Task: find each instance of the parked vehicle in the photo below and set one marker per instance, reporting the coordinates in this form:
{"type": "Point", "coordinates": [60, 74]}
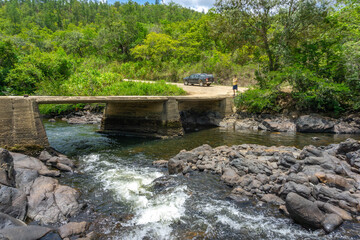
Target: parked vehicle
{"type": "Point", "coordinates": [203, 79]}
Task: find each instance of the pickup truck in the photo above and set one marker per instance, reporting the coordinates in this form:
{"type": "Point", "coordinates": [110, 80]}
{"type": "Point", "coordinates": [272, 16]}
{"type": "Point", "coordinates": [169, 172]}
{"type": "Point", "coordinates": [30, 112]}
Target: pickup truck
{"type": "Point", "coordinates": [202, 79]}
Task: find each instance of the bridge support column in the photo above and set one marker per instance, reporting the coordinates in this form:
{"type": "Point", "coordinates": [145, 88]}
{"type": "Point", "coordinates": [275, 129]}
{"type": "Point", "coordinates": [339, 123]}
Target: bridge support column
{"type": "Point", "coordinates": [149, 119]}
{"type": "Point", "coordinates": [20, 123]}
{"type": "Point", "coordinates": [226, 107]}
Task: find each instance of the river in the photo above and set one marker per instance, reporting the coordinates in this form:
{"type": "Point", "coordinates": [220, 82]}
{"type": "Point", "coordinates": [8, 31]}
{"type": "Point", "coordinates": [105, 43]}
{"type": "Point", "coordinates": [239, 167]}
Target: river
{"type": "Point", "coordinates": [127, 198]}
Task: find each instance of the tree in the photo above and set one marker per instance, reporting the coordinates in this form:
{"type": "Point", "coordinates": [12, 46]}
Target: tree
{"type": "Point", "coordinates": [262, 22]}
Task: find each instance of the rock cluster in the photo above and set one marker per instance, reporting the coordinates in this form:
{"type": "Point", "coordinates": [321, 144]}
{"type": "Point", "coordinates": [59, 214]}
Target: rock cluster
{"type": "Point", "coordinates": [317, 187]}
{"type": "Point", "coordinates": [28, 190]}
{"type": "Point", "coordinates": [306, 123]}
{"type": "Point", "coordinates": [83, 117]}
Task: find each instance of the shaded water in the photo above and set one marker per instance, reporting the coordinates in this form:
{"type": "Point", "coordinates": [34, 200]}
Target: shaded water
{"type": "Point", "coordinates": [118, 182]}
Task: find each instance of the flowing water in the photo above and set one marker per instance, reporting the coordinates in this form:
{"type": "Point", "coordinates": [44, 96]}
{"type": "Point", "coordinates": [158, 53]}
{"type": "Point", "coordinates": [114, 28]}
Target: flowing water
{"type": "Point", "coordinates": [128, 198]}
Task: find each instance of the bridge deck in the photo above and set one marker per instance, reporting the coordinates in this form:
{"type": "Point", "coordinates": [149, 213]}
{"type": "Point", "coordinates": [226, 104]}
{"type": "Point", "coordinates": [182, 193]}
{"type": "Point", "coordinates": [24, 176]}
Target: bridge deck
{"type": "Point", "coordinates": [112, 99]}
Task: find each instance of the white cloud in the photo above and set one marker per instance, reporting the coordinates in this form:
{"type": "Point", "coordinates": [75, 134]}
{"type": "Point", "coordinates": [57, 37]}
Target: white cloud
{"type": "Point", "coordinates": [198, 5]}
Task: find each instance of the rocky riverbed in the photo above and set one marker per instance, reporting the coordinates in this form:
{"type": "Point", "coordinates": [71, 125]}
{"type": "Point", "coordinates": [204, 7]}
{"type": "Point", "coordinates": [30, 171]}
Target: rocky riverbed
{"type": "Point", "coordinates": [312, 123]}
{"type": "Point", "coordinates": [318, 187]}
{"type": "Point", "coordinates": [31, 193]}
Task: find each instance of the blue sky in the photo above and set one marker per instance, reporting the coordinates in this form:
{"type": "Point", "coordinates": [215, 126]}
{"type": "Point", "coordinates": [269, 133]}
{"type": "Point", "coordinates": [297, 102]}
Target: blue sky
{"type": "Point", "coordinates": [198, 5]}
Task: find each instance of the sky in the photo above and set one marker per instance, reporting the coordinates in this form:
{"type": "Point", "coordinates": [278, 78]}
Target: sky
{"type": "Point", "coordinates": [197, 5]}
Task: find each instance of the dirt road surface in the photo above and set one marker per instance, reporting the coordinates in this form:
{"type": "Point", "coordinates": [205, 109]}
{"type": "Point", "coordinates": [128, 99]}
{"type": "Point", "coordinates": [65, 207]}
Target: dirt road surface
{"type": "Point", "coordinates": [212, 90]}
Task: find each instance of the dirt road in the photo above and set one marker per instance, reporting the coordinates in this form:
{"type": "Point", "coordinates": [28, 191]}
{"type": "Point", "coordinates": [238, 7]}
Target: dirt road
{"type": "Point", "coordinates": [213, 90]}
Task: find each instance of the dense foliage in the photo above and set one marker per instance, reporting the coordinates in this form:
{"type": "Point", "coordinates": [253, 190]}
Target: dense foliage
{"type": "Point", "coordinates": [310, 48]}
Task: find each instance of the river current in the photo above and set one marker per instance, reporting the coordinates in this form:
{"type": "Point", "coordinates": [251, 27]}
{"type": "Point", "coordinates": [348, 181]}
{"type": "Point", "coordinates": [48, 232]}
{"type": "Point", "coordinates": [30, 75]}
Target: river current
{"type": "Point", "coordinates": [127, 198]}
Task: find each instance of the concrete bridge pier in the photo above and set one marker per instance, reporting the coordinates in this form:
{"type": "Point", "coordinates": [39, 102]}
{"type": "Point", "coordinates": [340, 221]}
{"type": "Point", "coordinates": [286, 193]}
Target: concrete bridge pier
{"type": "Point", "coordinates": [20, 123]}
{"type": "Point", "coordinates": [156, 118]}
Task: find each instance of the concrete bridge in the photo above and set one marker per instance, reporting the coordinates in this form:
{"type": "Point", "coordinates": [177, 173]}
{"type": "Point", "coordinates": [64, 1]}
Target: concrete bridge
{"type": "Point", "coordinates": [151, 116]}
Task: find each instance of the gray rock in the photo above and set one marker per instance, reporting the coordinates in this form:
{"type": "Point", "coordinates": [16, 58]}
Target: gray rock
{"type": "Point", "coordinates": [7, 173]}
{"type": "Point", "coordinates": [72, 228]}
{"type": "Point", "coordinates": [13, 202]}
{"type": "Point", "coordinates": [295, 188]}
{"type": "Point", "coordinates": [314, 124]}
{"type": "Point", "coordinates": [25, 178]}
{"type": "Point", "coordinates": [175, 166]}
{"type": "Point", "coordinates": [273, 199]}
{"type": "Point", "coordinates": [22, 162]}
{"type": "Point", "coordinates": [160, 163]}
{"type": "Point", "coordinates": [44, 156]}
{"type": "Point", "coordinates": [50, 202]}
{"type": "Point", "coordinates": [230, 177]}
{"type": "Point", "coordinates": [279, 125]}
{"type": "Point", "coordinates": [304, 211]}
{"type": "Point", "coordinates": [8, 221]}
{"type": "Point", "coordinates": [24, 232]}
{"type": "Point", "coordinates": [329, 208]}
{"type": "Point", "coordinates": [331, 222]}
{"type": "Point", "coordinates": [346, 128]}
{"type": "Point", "coordinates": [63, 167]}
{"type": "Point", "coordinates": [350, 145]}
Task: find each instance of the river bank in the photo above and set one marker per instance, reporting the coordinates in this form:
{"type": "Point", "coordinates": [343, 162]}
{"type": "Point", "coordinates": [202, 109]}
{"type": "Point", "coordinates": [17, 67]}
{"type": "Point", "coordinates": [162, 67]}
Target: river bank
{"type": "Point", "coordinates": [295, 122]}
{"type": "Point", "coordinates": [34, 205]}
{"type": "Point", "coordinates": [318, 187]}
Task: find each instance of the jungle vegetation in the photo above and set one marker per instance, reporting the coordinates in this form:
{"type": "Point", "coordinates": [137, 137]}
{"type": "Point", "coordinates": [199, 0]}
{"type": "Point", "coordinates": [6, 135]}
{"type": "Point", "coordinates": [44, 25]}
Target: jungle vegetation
{"type": "Point", "coordinates": [301, 54]}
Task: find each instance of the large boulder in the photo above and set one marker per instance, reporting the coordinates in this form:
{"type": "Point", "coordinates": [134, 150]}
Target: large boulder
{"type": "Point", "coordinates": [314, 124]}
{"type": "Point", "coordinates": [9, 221]}
{"type": "Point", "coordinates": [304, 211]}
{"type": "Point", "coordinates": [50, 202]}
{"type": "Point", "coordinates": [279, 125]}
{"type": "Point", "coordinates": [24, 232]}
{"type": "Point", "coordinates": [13, 202]}
{"type": "Point", "coordinates": [331, 222]}
{"type": "Point", "coordinates": [7, 173]}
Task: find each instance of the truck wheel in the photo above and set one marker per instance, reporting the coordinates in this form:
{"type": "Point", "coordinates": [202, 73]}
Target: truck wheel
{"type": "Point", "coordinates": [208, 84]}
{"type": "Point", "coordinates": [186, 82]}
{"type": "Point", "coordinates": [201, 84]}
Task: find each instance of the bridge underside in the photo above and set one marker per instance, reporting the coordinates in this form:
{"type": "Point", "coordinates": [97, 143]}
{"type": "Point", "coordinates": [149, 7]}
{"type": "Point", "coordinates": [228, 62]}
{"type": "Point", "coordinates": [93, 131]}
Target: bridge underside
{"type": "Point", "coordinates": [159, 117]}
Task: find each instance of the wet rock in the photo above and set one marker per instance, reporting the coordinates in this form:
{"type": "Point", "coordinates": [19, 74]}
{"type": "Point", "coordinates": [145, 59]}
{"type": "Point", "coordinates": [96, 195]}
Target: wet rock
{"type": "Point", "coordinates": [273, 199]}
{"type": "Point", "coordinates": [331, 222]}
{"type": "Point", "coordinates": [279, 125]}
{"type": "Point", "coordinates": [346, 128]}
{"type": "Point", "coordinates": [51, 236]}
{"type": "Point", "coordinates": [9, 221]}
{"type": "Point", "coordinates": [7, 173]}
{"type": "Point", "coordinates": [24, 162]}
{"type": "Point", "coordinates": [230, 177]}
{"type": "Point", "coordinates": [283, 210]}
{"type": "Point", "coordinates": [25, 178]}
{"type": "Point", "coordinates": [160, 163]}
{"type": "Point", "coordinates": [175, 166]}
{"type": "Point", "coordinates": [13, 202]}
{"type": "Point", "coordinates": [89, 236]}
{"type": "Point", "coordinates": [44, 156]}
{"type": "Point", "coordinates": [72, 228]}
{"type": "Point", "coordinates": [350, 145]}
{"type": "Point", "coordinates": [295, 188]}
{"type": "Point", "coordinates": [333, 180]}
{"type": "Point", "coordinates": [63, 167]}
{"type": "Point", "coordinates": [239, 198]}
{"type": "Point", "coordinates": [329, 208]}
{"type": "Point", "coordinates": [304, 211]}
{"type": "Point", "coordinates": [314, 124]}
{"type": "Point", "coordinates": [353, 158]}
{"type": "Point", "coordinates": [24, 232]}
{"type": "Point", "coordinates": [50, 202]}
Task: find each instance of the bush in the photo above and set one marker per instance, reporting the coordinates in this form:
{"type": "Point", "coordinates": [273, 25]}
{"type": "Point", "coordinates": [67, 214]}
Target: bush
{"type": "Point", "coordinates": [258, 100]}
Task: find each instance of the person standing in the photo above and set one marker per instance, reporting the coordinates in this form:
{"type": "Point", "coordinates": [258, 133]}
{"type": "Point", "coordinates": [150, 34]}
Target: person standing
{"type": "Point", "coordinates": [235, 84]}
